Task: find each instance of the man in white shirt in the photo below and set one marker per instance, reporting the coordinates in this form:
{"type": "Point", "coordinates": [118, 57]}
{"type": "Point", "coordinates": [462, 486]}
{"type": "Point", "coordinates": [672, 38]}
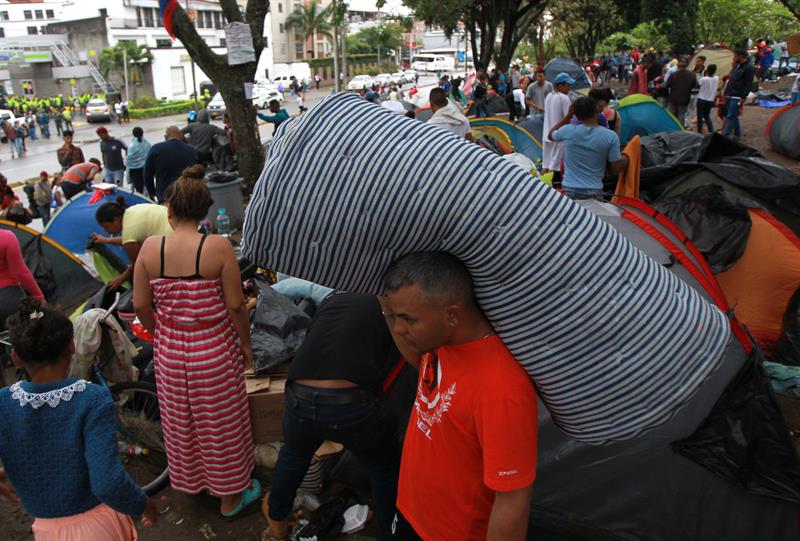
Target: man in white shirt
{"type": "Point", "coordinates": [447, 115]}
{"type": "Point", "coordinates": [556, 106]}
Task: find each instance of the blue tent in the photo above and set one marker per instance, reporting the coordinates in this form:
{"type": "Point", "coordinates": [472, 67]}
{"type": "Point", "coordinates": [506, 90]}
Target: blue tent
{"type": "Point", "coordinates": [523, 141]}
{"type": "Point", "coordinates": [74, 223]}
{"type": "Point", "coordinates": [642, 115]}
{"type": "Point", "coordinates": [567, 65]}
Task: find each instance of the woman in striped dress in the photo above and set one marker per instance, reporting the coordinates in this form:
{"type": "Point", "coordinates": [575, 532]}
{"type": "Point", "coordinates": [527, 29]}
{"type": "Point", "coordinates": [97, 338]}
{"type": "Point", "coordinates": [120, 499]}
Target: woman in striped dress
{"type": "Point", "coordinates": [187, 292]}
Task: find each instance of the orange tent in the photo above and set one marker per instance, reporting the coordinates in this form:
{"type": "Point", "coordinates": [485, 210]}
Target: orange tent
{"type": "Point", "coordinates": [760, 285]}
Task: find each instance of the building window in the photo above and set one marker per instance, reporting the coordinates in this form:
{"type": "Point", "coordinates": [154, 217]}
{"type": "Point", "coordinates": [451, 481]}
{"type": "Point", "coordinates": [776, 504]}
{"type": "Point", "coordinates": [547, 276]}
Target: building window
{"type": "Point", "coordinates": [178, 76]}
{"type": "Point", "coordinates": [4, 15]}
{"type": "Point", "coordinates": [222, 42]}
{"type": "Point", "coordinates": [28, 14]}
{"type": "Point", "coordinates": [218, 23]}
{"type": "Point", "coordinates": [39, 14]}
{"type": "Point", "coordinates": [280, 8]}
{"type": "Point", "coordinates": [43, 30]}
{"type": "Point", "coordinates": [50, 14]}
{"type": "Point", "coordinates": [299, 48]}
{"type": "Point", "coordinates": [147, 17]}
{"type": "Point", "coordinates": [209, 19]}
{"type": "Point", "coordinates": [2, 32]}
{"type": "Point", "coordinates": [163, 43]}
{"type": "Point", "coordinates": [32, 31]}
{"type": "Point", "coordinates": [280, 28]}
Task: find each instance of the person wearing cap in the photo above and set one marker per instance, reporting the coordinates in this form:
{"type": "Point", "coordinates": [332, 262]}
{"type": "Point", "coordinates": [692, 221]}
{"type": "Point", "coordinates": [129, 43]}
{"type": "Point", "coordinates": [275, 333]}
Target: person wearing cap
{"type": "Point", "coordinates": [113, 162]}
{"type": "Point", "coordinates": [69, 155]}
{"type": "Point", "coordinates": [589, 147]}
{"type": "Point", "coordinates": [556, 106]}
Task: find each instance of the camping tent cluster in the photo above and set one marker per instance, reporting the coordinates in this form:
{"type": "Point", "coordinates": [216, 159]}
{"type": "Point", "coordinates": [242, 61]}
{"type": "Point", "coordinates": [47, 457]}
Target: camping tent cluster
{"type": "Point", "coordinates": [655, 401]}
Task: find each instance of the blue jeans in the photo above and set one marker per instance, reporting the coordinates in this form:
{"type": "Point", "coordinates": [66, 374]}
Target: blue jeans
{"type": "Point", "coordinates": [584, 193]}
{"type": "Point", "coordinates": [44, 213]}
{"type": "Point", "coordinates": [20, 142]}
{"type": "Point", "coordinates": [366, 429]}
{"type": "Point", "coordinates": [704, 108]}
{"type": "Point", "coordinates": [732, 115]}
{"type": "Point", "coordinates": [45, 130]}
{"type": "Point", "coordinates": [115, 176]}
{"type": "Point", "coordinates": [32, 133]}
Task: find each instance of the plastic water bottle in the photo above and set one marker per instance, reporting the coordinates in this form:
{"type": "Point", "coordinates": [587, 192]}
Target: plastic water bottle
{"type": "Point", "coordinates": [223, 223]}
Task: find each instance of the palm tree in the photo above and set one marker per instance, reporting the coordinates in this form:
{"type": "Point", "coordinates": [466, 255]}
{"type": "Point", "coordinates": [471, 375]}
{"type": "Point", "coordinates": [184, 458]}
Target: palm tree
{"type": "Point", "coordinates": [310, 21]}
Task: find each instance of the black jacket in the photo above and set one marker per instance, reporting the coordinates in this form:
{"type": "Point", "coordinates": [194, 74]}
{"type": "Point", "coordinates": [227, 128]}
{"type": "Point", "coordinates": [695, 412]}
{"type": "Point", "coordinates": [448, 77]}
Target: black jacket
{"type": "Point", "coordinates": [741, 82]}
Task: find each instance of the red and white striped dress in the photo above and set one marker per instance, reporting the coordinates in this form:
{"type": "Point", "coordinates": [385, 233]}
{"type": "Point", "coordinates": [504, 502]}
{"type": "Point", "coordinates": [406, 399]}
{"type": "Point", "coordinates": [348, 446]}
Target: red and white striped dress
{"type": "Point", "coordinates": [201, 389]}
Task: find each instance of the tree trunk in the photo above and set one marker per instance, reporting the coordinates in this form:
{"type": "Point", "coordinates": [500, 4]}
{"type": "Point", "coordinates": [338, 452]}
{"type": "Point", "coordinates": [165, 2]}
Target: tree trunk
{"type": "Point", "coordinates": [336, 58]}
{"type": "Point", "coordinates": [343, 49]}
{"type": "Point", "coordinates": [314, 44]}
{"type": "Point", "coordinates": [230, 80]}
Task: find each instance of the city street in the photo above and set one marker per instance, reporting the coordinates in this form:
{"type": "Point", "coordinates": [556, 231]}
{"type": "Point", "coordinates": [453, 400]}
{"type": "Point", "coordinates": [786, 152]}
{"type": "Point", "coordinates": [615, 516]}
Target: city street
{"type": "Point", "coordinates": [41, 155]}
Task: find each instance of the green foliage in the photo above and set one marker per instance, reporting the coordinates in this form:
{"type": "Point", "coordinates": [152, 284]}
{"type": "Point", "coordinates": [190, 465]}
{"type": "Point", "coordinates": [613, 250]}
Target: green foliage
{"type": "Point", "coordinates": [582, 24]}
{"type": "Point", "coordinates": [144, 102]}
{"type": "Point", "coordinates": [112, 59]}
{"type": "Point", "coordinates": [351, 58]}
{"type": "Point", "coordinates": [793, 6]}
{"type": "Point", "coordinates": [388, 36]}
{"type": "Point", "coordinates": [643, 35]}
{"type": "Point", "coordinates": [310, 20]}
{"type": "Point", "coordinates": [674, 19]}
{"type": "Point", "coordinates": [733, 21]}
{"type": "Point", "coordinates": [167, 109]}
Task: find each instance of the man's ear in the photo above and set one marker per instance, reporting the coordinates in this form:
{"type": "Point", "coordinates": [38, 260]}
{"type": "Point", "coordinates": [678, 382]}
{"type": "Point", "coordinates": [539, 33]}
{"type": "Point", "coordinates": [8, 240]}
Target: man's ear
{"type": "Point", "coordinates": [453, 314]}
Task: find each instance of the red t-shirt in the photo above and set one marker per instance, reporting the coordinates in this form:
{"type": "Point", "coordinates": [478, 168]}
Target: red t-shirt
{"type": "Point", "coordinates": [473, 432]}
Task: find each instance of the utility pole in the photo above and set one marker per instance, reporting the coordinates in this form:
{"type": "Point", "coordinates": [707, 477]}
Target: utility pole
{"type": "Point", "coordinates": [191, 60]}
{"type": "Point", "coordinates": [125, 66]}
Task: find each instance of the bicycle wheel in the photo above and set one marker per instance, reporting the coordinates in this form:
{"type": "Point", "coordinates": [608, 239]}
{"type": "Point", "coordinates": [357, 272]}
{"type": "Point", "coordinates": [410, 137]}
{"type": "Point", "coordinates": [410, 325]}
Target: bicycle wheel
{"type": "Point", "coordinates": [139, 436]}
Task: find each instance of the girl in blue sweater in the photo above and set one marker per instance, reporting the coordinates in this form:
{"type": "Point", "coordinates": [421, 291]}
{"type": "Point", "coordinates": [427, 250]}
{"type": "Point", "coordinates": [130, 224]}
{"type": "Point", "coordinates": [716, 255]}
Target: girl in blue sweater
{"type": "Point", "coordinates": [57, 439]}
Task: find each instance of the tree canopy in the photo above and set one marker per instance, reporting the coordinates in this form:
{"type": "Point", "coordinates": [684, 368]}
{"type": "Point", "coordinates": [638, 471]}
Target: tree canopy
{"type": "Point", "coordinates": [311, 20]}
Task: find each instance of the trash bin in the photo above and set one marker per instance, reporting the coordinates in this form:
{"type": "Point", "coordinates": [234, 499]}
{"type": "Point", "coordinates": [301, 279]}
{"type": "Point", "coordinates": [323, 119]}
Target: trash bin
{"type": "Point", "coordinates": [227, 195]}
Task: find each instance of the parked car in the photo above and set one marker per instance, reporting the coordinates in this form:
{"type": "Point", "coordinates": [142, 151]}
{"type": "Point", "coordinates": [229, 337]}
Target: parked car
{"type": "Point", "coordinates": [265, 93]}
{"type": "Point", "coordinates": [382, 79]}
{"type": "Point", "coordinates": [360, 81]}
{"type": "Point", "coordinates": [6, 115]}
{"type": "Point", "coordinates": [98, 109]}
{"type": "Point", "coordinates": [397, 78]}
{"type": "Point", "coordinates": [411, 76]}
{"type": "Point", "coordinates": [216, 107]}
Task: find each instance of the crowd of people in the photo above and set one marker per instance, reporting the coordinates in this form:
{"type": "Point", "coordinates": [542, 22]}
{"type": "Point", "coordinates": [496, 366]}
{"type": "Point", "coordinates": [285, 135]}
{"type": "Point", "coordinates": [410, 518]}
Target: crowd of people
{"type": "Point", "coordinates": [459, 473]}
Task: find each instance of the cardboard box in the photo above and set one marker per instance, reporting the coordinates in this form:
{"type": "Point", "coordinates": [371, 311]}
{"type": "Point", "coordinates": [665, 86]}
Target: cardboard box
{"type": "Point", "coordinates": [265, 396]}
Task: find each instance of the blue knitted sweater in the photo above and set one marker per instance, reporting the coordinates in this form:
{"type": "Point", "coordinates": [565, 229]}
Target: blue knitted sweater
{"type": "Point", "coordinates": [59, 449]}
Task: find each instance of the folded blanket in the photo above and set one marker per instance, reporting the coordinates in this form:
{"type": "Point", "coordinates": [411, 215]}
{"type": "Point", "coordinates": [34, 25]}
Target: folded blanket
{"type": "Point", "coordinates": [614, 342]}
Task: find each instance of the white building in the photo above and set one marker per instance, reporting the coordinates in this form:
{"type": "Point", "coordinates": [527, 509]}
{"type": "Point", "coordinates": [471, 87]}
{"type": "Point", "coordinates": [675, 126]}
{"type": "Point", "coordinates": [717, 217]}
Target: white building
{"type": "Point", "coordinates": [90, 26]}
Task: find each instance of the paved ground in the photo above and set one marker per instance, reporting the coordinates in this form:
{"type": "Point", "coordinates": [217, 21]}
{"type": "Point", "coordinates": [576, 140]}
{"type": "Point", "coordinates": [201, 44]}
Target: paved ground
{"type": "Point", "coordinates": [196, 517]}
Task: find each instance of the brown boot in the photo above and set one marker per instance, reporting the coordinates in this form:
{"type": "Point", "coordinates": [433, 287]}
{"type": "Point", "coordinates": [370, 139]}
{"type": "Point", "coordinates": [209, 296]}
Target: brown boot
{"type": "Point", "coordinates": [278, 529]}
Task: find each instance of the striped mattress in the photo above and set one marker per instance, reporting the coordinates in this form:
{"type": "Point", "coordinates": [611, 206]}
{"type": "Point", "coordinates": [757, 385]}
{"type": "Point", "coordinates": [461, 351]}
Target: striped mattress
{"type": "Point", "coordinates": [614, 342]}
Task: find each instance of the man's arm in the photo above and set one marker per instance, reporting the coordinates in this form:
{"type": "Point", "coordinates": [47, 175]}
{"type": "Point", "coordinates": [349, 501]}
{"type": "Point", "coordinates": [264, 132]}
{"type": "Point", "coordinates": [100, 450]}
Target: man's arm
{"type": "Point", "coordinates": [509, 518]}
{"type": "Point", "coordinates": [620, 165]}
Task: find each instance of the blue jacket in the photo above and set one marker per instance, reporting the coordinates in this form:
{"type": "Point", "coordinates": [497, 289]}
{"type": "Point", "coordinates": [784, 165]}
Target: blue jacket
{"type": "Point", "coordinates": [62, 457]}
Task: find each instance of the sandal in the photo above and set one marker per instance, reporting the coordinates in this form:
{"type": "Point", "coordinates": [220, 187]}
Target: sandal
{"type": "Point", "coordinates": [249, 496]}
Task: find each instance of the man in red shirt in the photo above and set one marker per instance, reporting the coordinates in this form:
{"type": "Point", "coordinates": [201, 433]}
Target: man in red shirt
{"type": "Point", "coordinates": [639, 80]}
{"type": "Point", "coordinates": [469, 456]}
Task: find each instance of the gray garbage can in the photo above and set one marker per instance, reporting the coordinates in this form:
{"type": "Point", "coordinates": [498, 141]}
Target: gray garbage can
{"type": "Point", "coordinates": [227, 195]}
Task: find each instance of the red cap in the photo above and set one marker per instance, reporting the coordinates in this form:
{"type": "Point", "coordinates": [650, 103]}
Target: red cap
{"type": "Point", "coordinates": [101, 130]}
{"type": "Point", "coordinates": [44, 174]}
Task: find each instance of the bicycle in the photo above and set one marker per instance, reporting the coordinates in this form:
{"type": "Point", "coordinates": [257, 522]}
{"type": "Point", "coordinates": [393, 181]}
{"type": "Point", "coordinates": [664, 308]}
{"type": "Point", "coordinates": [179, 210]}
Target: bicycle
{"type": "Point", "coordinates": [139, 436]}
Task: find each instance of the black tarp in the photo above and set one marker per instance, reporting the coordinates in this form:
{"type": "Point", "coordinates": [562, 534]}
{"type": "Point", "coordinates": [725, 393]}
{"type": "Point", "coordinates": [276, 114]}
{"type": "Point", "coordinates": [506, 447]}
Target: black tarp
{"type": "Point", "coordinates": [495, 106]}
{"type": "Point", "coordinates": [278, 329]}
{"type": "Point", "coordinates": [714, 221]}
{"type": "Point", "coordinates": [675, 162]}
{"type": "Point", "coordinates": [787, 350]}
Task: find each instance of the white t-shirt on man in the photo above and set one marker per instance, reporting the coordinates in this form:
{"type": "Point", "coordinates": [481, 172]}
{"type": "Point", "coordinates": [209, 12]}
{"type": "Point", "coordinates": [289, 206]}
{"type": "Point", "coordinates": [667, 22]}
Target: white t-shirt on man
{"type": "Point", "coordinates": [556, 106]}
{"type": "Point", "coordinates": [708, 88]}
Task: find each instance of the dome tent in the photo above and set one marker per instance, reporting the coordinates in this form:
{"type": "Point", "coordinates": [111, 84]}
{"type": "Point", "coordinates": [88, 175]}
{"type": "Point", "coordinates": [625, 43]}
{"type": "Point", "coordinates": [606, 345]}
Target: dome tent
{"type": "Point", "coordinates": [62, 277]}
{"type": "Point", "coordinates": [74, 223]}
{"type": "Point", "coordinates": [783, 131]}
{"type": "Point", "coordinates": [563, 64]}
{"type": "Point", "coordinates": [642, 115]}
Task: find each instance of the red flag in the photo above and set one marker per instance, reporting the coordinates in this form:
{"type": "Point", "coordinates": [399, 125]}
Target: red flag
{"type": "Point", "coordinates": [167, 8]}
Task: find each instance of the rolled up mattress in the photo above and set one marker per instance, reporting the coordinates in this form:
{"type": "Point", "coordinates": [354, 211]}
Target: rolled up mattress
{"type": "Point", "coordinates": [614, 342]}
